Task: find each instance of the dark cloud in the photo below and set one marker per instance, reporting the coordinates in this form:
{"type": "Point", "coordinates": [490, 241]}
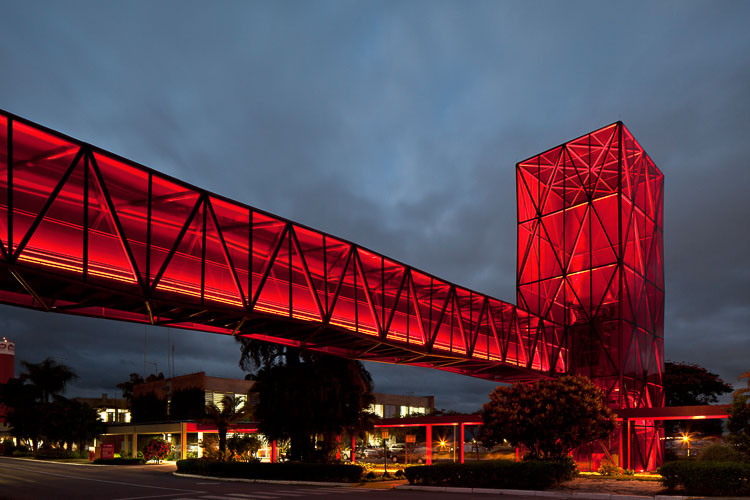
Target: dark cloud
{"type": "Point", "coordinates": [397, 125]}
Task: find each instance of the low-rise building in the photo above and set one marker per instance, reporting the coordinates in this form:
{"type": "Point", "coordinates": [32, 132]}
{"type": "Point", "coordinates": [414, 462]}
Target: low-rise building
{"type": "Point", "coordinates": [214, 388]}
{"type": "Point", "coordinates": [110, 410]}
{"type": "Point", "coordinates": [399, 405]}
{"type": "Point", "coordinates": [186, 436]}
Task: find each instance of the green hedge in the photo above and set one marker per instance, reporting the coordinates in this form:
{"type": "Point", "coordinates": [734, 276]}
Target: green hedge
{"type": "Point", "coordinates": [707, 478]}
{"type": "Point", "coordinates": [529, 475]}
{"type": "Point", "coordinates": [53, 453]}
{"type": "Point", "coordinates": [283, 471]}
{"type": "Point", "coordinates": [119, 461]}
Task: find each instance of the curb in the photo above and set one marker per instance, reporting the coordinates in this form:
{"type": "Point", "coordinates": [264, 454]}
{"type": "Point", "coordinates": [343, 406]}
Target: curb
{"type": "Point", "coordinates": [267, 481]}
{"type": "Point", "coordinates": [56, 462]}
{"type": "Point", "coordinates": [534, 493]}
{"type": "Point", "coordinates": [35, 460]}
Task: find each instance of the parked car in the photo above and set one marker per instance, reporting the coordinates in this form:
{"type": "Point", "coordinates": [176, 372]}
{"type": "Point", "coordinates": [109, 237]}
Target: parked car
{"type": "Point", "coordinates": [418, 454]}
{"type": "Point", "coordinates": [370, 452]}
{"type": "Point", "coordinates": [397, 448]}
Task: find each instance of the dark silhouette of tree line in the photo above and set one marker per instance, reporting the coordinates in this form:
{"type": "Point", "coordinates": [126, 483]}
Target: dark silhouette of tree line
{"type": "Point", "coordinates": [37, 412]}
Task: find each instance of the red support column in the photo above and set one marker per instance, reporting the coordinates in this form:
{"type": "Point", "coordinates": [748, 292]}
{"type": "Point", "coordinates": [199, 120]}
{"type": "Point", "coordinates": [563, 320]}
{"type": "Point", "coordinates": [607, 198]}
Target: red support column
{"type": "Point", "coordinates": [354, 449]}
{"type": "Point", "coordinates": [274, 451]}
{"type": "Point", "coordinates": [622, 445]}
{"type": "Point", "coordinates": [627, 429]}
{"type": "Point", "coordinates": [461, 442]}
{"type": "Point", "coordinates": [428, 444]}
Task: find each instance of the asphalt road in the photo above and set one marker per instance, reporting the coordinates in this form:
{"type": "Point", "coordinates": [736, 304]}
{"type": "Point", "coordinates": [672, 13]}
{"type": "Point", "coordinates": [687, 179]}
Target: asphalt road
{"type": "Point", "coordinates": [30, 480]}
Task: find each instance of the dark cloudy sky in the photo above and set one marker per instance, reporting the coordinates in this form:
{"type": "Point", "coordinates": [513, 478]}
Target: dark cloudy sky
{"type": "Point", "coordinates": [398, 125]}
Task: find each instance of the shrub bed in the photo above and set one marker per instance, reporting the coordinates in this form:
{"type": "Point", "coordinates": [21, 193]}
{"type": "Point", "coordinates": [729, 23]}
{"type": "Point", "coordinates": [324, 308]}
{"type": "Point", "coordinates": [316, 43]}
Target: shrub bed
{"type": "Point", "coordinates": [53, 453]}
{"type": "Point", "coordinates": [119, 461]}
{"type": "Point", "coordinates": [285, 471]}
{"type": "Point", "coordinates": [707, 478]}
{"type": "Point", "coordinates": [529, 475]}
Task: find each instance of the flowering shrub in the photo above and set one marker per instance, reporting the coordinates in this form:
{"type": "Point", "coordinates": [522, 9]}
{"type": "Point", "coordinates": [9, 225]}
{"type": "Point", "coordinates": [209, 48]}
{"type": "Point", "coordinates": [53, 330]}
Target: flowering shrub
{"type": "Point", "coordinates": [609, 469]}
{"type": "Point", "coordinates": [157, 449]}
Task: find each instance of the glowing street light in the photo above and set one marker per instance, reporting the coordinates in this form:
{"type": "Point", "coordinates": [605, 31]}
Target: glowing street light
{"type": "Point", "coordinates": [686, 439]}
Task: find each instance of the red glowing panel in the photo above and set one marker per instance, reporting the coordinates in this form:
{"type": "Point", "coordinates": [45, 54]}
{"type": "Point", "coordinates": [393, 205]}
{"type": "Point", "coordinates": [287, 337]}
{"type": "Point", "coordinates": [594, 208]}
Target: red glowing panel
{"type": "Point", "coordinates": [591, 263]}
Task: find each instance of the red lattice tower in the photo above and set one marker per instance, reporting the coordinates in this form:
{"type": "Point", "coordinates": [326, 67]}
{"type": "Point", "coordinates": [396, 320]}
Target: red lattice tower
{"type": "Point", "coordinates": [590, 260]}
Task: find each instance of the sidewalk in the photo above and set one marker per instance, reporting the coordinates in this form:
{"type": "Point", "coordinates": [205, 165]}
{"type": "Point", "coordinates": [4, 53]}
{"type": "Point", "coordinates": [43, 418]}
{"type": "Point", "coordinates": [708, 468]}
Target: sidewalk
{"type": "Point", "coordinates": [575, 495]}
{"type": "Point", "coordinates": [568, 492]}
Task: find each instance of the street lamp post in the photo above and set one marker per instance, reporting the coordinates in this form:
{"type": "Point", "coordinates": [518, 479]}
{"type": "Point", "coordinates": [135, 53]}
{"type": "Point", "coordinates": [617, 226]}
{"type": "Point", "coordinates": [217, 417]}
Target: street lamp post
{"type": "Point", "coordinates": [686, 439]}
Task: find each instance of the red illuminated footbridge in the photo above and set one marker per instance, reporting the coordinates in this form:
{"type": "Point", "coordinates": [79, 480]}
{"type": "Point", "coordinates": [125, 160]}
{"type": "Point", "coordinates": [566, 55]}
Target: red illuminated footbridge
{"type": "Point", "coordinates": [87, 232]}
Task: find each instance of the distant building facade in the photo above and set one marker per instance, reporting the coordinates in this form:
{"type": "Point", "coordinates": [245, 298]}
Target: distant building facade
{"type": "Point", "coordinates": [185, 436]}
{"type": "Point", "coordinates": [110, 410]}
{"type": "Point", "coordinates": [397, 405]}
{"type": "Point", "coordinates": [214, 388]}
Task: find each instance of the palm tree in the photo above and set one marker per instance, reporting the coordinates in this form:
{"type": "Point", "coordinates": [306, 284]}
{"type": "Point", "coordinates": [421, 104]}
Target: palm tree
{"type": "Point", "coordinates": [48, 377]}
{"type": "Point", "coordinates": [229, 411]}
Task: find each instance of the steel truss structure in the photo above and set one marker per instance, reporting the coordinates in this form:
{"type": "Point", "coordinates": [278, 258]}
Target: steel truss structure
{"type": "Point", "coordinates": [590, 261]}
{"type": "Point", "coordinates": [84, 231]}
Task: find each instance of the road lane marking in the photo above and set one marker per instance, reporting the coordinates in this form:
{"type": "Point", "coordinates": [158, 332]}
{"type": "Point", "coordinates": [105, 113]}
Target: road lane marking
{"type": "Point", "coordinates": [324, 491]}
{"type": "Point", "coordinates": [312, 492]}
{"type": "Point", "coordinates": [107, 481]}
{"type": "Point", "coordinates": [156, 496]}
{"type": "Point", "coordinates": [234, 496]}
{"type": "Point", "coordinates": [215, 497]}
{"type": "Point", "coordinates": [250, 495]}
{"type": "Point", "coordinates": [286, 493]}
{"type": "Point", "coordinates": [20, 479]}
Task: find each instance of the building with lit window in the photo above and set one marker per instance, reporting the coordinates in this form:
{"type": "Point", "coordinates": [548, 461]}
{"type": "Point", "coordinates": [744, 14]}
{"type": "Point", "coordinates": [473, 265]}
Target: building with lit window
{"type": "Point", "coordinates": [214, 388]}
{"type": "Point", "coordinates": [397, 405]}
{"type": "Point", "coordinates": [186, 435]}
{"type": "Point", "coordinates": [110, 410]}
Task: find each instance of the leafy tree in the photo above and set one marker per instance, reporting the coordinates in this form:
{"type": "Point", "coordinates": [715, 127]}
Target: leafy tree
{"type": "Point", "coordinates": [127, 386]}
{"type": "Point", "coordinates": [688, 384]}
{"type": "Point", "coordinates": [230, 410]}
{"type": "Point", "coordinates": [48, 377]}
{"type": "Point", "coordinates": [302, 394]}
{"type": "Point", "coordinates": [739, 418]}
{"type": "Point", "coordinates": [550, 417]}
{"type": "Point", "coordinates": [244, 445]}
{"type": "Point", "coordinates": [148, 408]}
{"type": "Point", "coordinates": [187, 404]}
{"type": "Point", "coordinates": [210, 448]}
{"type": "Point", "coordinates": [311, 394]}
{"type": "Point", "coordinates": [256, 354]}
{"type": "Point", "coordinates": [744, 390]}
{"type": "Point", "coordinates": [23, 415]}
{"type": "Point", "coordinates": [82, 423]}
{"type": "Point", "coordinates": [37, 412]}
{"type": "Point", "coordinates": [135, 379]}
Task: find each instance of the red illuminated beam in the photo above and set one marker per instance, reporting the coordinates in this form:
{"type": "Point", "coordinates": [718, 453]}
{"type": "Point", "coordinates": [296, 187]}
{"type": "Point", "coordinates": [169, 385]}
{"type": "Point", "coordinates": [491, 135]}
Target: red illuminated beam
{"type": "Point", "coordinates": [84, 231]}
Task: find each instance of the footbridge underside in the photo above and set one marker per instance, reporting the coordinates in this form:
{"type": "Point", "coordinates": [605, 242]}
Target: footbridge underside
{"type": "Point", "coordinates": [83, 231]}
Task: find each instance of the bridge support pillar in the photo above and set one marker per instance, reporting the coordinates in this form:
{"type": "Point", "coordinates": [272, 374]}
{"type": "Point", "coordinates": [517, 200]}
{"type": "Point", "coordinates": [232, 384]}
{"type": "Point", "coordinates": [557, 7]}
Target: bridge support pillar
{"type": "Point", "coordinates": [183, 440]}
{"type": "Point", "coordinates": [461, 442]}
{"type": "Point", "coordinates": [428, 445]}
